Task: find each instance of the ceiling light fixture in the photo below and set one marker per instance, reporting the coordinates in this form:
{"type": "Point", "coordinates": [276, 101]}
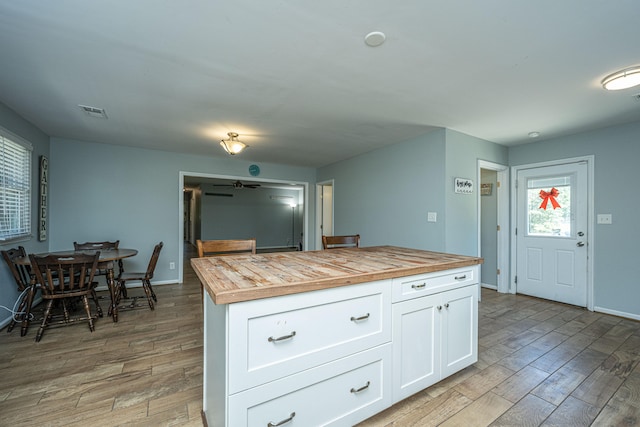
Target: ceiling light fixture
{"type": "Point", "coordinates": [233, 145]}
{"type": "Point", "coordinates": [623, 79]}
{"type": "Point", "coordinates": [534, 134]}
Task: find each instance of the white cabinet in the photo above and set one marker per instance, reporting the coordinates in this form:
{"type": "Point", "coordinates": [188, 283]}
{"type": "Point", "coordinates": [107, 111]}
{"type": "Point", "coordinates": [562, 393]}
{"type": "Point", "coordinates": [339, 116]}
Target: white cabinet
{"type": "Point", "coordinates": [434, 335]}
{"type": "Point", "coordinates": [336, 356]}
{"type": "Point", "coordinates": [316, 358]}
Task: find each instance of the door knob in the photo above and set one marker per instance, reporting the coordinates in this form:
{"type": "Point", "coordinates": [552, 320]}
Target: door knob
{"type": "Point", "coordinates": [580, 233]}
{"type": "Point", "coordinates": [580, 244]}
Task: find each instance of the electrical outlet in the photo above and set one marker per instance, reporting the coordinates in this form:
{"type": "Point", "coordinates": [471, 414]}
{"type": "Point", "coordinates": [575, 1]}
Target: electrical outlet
{"type": "Point", "coordinates": [172, 266]}
{"type": "Point", "coordinates": [432, 216]}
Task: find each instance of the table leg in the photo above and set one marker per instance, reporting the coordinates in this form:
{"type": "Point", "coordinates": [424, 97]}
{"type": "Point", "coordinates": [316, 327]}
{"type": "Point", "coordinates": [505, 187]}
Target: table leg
{"type": "Point", "coordinates": [113, 290]}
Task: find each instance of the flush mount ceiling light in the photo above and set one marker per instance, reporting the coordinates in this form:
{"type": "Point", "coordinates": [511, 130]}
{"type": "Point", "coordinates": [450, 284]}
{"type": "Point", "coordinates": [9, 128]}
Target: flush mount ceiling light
{"type": "Point", "coordinates": [233, 145]}
{"type": "Point", "coordinates": [623, 79]}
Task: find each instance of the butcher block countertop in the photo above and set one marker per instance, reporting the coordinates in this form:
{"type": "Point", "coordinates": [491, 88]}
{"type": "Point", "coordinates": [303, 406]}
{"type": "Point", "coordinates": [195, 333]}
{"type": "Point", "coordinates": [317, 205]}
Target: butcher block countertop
{"type": "Point", "coordinates": [229, 279]}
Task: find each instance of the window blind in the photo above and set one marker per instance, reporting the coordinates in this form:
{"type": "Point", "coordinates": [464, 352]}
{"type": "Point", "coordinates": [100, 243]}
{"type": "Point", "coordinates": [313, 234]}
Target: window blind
{"type": "Point", "coordinates": [15, 188]}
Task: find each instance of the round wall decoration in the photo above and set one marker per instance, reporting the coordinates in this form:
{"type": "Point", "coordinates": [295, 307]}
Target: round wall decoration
{"type": "Point", "coordinates": [254, 170]}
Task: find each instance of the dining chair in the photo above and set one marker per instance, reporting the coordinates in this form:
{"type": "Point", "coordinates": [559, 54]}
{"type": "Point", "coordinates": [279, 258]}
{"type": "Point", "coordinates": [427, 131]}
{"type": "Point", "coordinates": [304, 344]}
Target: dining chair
{"type": "Point", "coordinates": [145, 277]}
{"type": "Point", "coordinates": [99, 246]}
{"type": "Point", "coordinates": [334, 242]}
{"type": "Point", "coordinates": [225, 247]}
{"type": "Point", "coordinates": [65, 278]}
{"type": "Point", "coordinates": [208, 248]}
{"type": "Point", "coordinates": [26, 286]}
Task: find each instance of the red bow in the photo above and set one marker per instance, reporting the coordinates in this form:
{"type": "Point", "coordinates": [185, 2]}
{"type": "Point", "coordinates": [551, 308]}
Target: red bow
{"type": "Point", "coordinates": [550, 196]}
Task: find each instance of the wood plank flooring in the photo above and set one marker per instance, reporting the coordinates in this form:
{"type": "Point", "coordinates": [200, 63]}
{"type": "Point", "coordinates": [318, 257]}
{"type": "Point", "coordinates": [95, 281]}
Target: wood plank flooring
{"type": "Point", "coordinates": [540, 364]}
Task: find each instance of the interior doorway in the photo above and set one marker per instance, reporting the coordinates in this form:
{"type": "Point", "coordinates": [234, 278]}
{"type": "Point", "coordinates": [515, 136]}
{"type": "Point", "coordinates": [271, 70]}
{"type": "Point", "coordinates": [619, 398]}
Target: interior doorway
{"type": "Point", "coordinates": [493, 232]}
{"type": "Point", "coordinates": [324, 211]}
{"type": "Point", "coordinates": [296, 231]}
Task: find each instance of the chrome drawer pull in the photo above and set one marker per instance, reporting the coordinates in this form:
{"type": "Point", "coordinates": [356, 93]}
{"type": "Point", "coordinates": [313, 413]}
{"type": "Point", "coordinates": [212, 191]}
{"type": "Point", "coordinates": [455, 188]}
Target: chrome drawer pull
{"type": "Point", "coordinates": [293, 414]}
{"type": "Point", "coordinates": [420, 286]}
{"type": "Point", "coordinates": [357, 319]}
{"type": "Point", "coordinates": [464, 276]}
{"type": "Point", "coordinates": [282, 338]}
{"type": "Point", "coordinates": [363, 388]}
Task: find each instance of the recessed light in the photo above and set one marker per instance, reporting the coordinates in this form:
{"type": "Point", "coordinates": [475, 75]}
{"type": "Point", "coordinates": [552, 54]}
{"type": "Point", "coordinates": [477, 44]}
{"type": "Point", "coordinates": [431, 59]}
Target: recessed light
{"type": "Point", "coordinates": [375, 38]}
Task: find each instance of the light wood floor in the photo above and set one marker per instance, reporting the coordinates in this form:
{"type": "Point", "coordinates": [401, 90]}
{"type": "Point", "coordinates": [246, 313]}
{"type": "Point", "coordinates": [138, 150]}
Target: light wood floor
{"type": "Point", "coordinates": [541, 363]}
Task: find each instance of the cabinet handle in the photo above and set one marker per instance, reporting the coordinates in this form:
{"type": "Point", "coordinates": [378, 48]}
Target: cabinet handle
{"type": "Point", "coordinates": [293, 414]}
{"type": "Point", "coordinates": [282, 338]}
{"type": "Point", "coordinates": [363, 388]}
{"type": "Point", "coordinates": [446, 305]}
{"type": "Point", "coordinates": [357, 319]}
{"type": "Point", "coordinates": [439, 307]}
{"type": "Point", "coordinates": [464, 276]}
{"type": "Point", "coordinates": [420, 286]}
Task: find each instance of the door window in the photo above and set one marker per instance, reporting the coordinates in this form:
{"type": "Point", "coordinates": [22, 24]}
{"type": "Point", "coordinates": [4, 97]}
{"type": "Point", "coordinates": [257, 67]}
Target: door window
{"type": "Point", "coordinates": [557, 219]}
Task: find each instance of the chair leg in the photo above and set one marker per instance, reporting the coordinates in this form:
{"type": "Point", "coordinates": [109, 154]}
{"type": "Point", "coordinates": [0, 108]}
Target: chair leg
{"type": "Point", "coordinates": [27, 310]}
{"type": "Point", "coordinates": [95, 300]}
{"type": "Point", "coordinates": [85, 301]}
{"type": "Point", "coordinates": [45, 320]}
{"type": "Point", "coordinates": [146, 285]}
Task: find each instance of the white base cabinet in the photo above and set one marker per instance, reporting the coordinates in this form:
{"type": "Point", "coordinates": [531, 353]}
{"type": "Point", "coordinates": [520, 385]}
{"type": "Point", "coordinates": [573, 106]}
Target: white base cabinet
{"type": "Point", "coordinates": [336, 356]}
{"type": "Point", "coordinates": [433, 337]}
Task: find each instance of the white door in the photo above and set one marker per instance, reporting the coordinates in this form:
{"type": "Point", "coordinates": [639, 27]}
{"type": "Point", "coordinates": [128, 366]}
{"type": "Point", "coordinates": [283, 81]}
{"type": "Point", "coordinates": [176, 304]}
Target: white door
{"type": "Point", "coordinates": [551, 233]}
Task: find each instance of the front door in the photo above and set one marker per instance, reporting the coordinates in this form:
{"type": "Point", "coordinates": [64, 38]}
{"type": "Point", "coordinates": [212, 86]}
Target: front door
{"type": "Point", "coordinates": [551, 233]}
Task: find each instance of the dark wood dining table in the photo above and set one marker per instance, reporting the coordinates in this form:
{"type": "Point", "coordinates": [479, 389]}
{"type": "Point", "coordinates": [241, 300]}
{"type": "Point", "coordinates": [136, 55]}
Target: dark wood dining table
{"type": "Point", "coordinates": [106, 261]}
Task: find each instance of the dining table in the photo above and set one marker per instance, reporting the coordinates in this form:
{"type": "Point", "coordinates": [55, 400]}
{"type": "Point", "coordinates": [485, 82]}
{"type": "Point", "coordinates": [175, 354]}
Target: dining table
{"type": "Point", "coordinates": [106, 261]}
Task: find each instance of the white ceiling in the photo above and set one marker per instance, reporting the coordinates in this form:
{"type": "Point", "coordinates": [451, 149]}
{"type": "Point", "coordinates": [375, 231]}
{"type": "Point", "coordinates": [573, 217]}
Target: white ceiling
{"type": "Point", "coordinates": [295, 79]}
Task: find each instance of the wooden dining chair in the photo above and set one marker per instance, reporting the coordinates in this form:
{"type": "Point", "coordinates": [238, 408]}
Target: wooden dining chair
{"type": "Point", "coordinates": [334, 242]}
{"type": "Point", "coordinates": [26, 286]}
{"type": "Point", "coordinates": [99, 246]}
{"type": "Point", "coordinates": [65, 278]}
{"type": "Point", "coordinates": [225, 247]}
{"type": "Point", "coordinates": [145, 277]}
{"type": "Point", "coordinates": [208, 248]}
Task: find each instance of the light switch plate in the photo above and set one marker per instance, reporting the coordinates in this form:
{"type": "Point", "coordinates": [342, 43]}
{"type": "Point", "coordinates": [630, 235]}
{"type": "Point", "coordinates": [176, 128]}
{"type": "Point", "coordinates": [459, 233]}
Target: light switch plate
{"type": "Point", "coordinates": [432, 216]}
{"type": "Point", "coordinates": [604, 219]}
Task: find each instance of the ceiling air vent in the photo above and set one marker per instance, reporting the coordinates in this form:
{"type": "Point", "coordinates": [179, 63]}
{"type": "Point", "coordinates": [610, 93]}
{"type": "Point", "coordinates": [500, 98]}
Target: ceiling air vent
{"type": "Point", "coordinates": [93, 111]}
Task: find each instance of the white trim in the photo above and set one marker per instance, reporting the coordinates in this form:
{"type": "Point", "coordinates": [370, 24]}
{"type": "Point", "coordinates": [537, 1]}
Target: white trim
{"type": "Point", "coordinates": [503, 221]}
{"type": "Point", "coordinates": [590, 218]}
{"type": "Point", "coordinates": [182, 174]}
{"type": "Point", "coordinates": [319, 207]}
{"type": "Point", "coordinates": [617, 313]}
{"type": "Point", "coordinates": [16, 138]}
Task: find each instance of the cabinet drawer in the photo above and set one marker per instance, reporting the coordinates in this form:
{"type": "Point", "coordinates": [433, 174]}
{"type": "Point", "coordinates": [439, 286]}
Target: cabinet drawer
{"type": "Point", "coordinates": [269, 339]}
{"type": "Point", "coordinates": [342, 392]}
{"type": "Point", "coordinates": [409, 287]}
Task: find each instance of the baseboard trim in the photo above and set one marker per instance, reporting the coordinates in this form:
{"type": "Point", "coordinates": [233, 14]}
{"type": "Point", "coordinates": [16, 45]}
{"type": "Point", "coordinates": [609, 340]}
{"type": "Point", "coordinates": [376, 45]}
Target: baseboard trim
{"type": "Point", "coordinates": [617, 313]}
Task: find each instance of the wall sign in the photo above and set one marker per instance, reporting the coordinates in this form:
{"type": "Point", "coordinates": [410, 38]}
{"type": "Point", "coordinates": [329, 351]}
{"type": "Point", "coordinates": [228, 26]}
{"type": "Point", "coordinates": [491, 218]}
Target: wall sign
{"type": "Point", "coordinates": [463, 186]}
{"type": "Point", "coordinates": [44, 194]}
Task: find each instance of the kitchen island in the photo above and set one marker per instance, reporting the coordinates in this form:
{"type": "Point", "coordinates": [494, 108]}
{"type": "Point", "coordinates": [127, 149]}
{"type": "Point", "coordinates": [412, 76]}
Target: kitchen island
{"type": "Point", "coordinates": [331, 337]}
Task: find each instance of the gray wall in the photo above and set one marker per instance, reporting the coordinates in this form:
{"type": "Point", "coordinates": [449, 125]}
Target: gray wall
{"type": "Point", "coordinates": [488, 233]}
{"type": "Point", "coordinates": [40, 141]}
{"type": "Point", "coordinates": [252, 213]}
{"type": "Point", "coordinates": [617, 152]}
{"type": "Point", "coordinates": [385, 195]}
{"type": "Point", "coordinates": [101, 191]}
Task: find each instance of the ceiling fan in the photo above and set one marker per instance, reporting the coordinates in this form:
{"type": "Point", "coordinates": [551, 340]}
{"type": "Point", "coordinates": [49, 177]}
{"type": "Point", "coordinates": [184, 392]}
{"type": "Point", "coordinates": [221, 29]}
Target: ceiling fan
{"type": "Point", "coordinates": [237, 184]}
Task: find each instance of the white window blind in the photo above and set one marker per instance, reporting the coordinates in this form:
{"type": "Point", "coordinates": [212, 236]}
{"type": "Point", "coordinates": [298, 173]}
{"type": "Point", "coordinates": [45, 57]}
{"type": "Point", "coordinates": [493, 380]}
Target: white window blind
{"type": "Point", "coordinates": [15, 188]}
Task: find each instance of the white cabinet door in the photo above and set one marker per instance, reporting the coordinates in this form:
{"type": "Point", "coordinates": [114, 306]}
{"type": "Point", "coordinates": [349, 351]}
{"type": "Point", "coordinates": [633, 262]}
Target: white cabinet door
{"type": "Point", "coordinates": [433, 337]}
{"type": "Point", "coordinates": [416, 353]}
{"type": "Point", "coordinates": [459, 341]}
